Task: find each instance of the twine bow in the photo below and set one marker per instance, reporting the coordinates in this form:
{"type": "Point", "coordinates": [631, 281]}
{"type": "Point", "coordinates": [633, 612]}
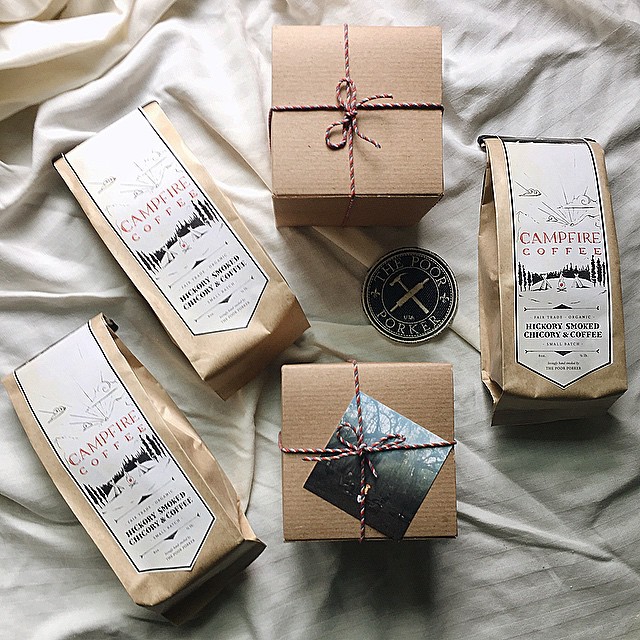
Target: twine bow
{"type": "Point", "coordinates": [350, 105]}
{"type": "Point", "coordinates": [389, 442]}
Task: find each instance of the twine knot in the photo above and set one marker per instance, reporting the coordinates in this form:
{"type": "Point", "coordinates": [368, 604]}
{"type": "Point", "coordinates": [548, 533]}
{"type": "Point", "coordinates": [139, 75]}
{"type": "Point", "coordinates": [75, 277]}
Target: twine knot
{"type": "Point", "coordinates": [346, 98]}
{"type": "Point", "coordinates": [348, 104]}
{"type": "Point", "coordinates": [389, 442]}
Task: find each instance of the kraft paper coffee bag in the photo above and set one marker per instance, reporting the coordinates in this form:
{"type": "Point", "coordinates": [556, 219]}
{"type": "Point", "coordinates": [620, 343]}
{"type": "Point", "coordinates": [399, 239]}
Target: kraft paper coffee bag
{"type": "Point", "coordinates": [179, 239]}
{"type": "Point", "coordinates": [551, 324]}
{"type": "Point", "coordinates": [135, 473]}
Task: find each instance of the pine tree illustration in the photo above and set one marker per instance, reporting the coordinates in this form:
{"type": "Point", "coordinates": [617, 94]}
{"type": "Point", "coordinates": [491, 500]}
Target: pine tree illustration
{"type": "Point", "coordinates": [154, 451]}
{"type": "Point", "coordinates": [160, 446]}
{"type": "Point", "coordinates": [520, 275]}
{"type": "Point", "coordinates": [92, 494]}
{"type": "Point", "coordinates": [210, 211]}
{"type": "Point", "coordinates": [599, 272]}
{"type": "Point", "coordinates": [146, 447]}
{"type": "Point", "coordinates": [200, 212]}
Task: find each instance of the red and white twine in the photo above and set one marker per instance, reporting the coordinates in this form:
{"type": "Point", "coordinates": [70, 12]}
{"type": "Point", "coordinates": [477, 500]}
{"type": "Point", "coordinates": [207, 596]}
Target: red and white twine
{"type": "Point", "coordinates": [390, 442]}
{"type": "Point", "coordinates": [347, 102]}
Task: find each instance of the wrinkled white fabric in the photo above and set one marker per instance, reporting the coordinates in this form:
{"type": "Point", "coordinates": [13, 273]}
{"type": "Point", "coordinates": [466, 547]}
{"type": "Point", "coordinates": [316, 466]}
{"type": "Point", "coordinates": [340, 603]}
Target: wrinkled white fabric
{"type": "Point", "coordinates": [42, 57]}
{"type": "Point", "coordinates": [548, 545]}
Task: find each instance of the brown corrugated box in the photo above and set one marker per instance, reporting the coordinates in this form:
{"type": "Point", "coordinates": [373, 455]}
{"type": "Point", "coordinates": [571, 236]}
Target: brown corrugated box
{"type": "Point", "coordinates": [396, 184]}
{"type": "Point", "coordinates": [314, 398]}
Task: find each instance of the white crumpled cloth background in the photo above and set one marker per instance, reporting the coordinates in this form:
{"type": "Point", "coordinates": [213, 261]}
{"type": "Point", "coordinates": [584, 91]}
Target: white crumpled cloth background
{"type": "Point", "coordinates": [549, 543]}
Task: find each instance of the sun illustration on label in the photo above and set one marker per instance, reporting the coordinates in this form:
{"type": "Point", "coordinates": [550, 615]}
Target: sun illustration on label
{"type": "Point", "coordinates": [573, 211]}
{"type": "Point", "coordinates": [100, 400]}
{"type": "Point", "coordinates": [569, 214]}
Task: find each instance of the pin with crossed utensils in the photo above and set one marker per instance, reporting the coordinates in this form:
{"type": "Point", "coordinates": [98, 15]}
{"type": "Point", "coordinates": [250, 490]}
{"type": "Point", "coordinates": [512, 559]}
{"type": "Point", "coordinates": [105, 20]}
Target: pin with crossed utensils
{"type": "Point", "coordinates": [386, 292]}
{"type": "Point", "coordinates": [410, 293]}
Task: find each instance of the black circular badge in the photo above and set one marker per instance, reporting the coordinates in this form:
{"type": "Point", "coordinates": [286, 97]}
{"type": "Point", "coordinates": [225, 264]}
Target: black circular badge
{"type": "Point", "coordinates": [410, 295]}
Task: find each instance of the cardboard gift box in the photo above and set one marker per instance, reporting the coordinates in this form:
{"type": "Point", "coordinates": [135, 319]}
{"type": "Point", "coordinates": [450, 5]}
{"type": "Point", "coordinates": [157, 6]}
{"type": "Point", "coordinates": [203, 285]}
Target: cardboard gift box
{"type": "Point", "coordinates": [414, 493]}
{"type": "Point", "coordinates": [389, 83]}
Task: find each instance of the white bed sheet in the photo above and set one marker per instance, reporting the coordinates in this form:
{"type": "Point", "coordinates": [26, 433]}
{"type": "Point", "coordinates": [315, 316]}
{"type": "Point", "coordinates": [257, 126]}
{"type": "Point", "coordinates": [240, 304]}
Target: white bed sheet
{"type": "Point", "coordinates": [549, 529]}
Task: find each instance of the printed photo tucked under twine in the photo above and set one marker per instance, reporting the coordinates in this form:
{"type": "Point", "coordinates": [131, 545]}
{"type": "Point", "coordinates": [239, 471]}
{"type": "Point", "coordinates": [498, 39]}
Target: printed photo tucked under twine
{"type": "Point", "coordinates": [348, 103]}
{"type": "Point", "coordinates": [383, 478]}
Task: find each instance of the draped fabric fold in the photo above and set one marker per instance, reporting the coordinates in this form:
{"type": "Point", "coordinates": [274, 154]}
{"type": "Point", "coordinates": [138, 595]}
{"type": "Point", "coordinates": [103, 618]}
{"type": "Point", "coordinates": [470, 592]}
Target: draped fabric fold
{"type": "Point", "coordinates": [548, 542]}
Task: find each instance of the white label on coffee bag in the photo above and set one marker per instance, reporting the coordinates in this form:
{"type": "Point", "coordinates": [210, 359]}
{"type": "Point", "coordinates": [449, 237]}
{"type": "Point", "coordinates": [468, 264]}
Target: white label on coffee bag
{"type": "Point", "coordinates": [170, 226]}
{"type": "Point", "coordinates": [114, 455]}
{"type": "Point", "coordinates": [561, 269]}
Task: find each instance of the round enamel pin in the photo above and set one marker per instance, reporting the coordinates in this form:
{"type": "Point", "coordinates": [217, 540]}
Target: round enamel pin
{"type": "Point", "coordinates": [410, 295]}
